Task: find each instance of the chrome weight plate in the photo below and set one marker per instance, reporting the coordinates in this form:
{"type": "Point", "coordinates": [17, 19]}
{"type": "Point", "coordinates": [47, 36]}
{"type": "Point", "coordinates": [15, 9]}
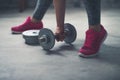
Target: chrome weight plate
{"type": "Point", "coordinates": [46, 39]}
{"type": "Point", "coordinates": [70, 32]}
{"type": "Point", "coordinates": [31, 37]}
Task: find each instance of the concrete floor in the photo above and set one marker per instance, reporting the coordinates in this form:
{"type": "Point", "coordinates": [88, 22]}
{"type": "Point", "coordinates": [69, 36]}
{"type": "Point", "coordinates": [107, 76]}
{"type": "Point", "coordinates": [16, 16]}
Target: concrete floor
{"type": "Point", "coordinates": [19, 61]}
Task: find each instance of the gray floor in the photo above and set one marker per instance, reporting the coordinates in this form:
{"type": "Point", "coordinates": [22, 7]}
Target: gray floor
{"type": "Point", "coordinates": [19, 61]}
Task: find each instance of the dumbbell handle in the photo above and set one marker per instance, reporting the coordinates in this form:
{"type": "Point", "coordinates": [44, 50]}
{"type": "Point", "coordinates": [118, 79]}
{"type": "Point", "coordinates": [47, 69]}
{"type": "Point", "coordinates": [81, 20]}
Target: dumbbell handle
{"type": "Point", "coordinates": [43, 38]}
{"type": "Point", "coordinates": [66, 32]}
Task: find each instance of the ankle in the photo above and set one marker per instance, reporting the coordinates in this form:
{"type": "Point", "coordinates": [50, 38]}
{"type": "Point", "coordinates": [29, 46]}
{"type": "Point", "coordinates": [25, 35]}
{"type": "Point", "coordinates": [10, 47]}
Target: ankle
{"type": "Point", "coordinates": [96, 28]}
{"type": "Point", "coordinates": [35, 20]}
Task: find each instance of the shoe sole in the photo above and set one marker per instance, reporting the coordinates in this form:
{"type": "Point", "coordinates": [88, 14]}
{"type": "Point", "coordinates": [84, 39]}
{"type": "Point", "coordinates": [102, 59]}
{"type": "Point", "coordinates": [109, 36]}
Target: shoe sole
{"type": "Point", "coordinates": [93, 55]}
{"type": "Point", "coordinates": [15, 32]}
{"type": "Point", "coordinates": [87, 56]}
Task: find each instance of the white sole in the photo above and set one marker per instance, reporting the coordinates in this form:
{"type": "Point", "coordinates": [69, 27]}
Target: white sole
{"type": "Point", "coordinates": [87, 56]}
{"type": "Point", "coordinates": [14, 32]}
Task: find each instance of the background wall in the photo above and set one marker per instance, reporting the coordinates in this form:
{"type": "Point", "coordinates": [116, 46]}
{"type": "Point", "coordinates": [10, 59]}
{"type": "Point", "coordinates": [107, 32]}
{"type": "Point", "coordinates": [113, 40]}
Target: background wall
{"type": "Point", "coordinates": [77, 3]}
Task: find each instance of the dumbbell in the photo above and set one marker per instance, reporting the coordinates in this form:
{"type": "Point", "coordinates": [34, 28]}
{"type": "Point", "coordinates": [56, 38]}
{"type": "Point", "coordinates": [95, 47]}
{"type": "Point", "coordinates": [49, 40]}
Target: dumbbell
{"type": "Point", "coordinates": [31, 37]}
{"type": "Point", "coordinates": [47, 38]}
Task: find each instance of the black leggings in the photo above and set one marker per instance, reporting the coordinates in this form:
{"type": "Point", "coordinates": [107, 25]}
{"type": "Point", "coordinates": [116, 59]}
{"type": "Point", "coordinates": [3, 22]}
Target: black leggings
{"type": "Point", "coordinates": [92, 7]}
{"type": "Point", "coordinates": [41, 8]}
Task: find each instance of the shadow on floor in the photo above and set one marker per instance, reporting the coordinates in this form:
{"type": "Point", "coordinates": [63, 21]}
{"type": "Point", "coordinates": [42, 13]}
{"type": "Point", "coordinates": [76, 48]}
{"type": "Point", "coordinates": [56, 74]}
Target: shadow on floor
{"type": "Point", "coordinates": [62, 48]}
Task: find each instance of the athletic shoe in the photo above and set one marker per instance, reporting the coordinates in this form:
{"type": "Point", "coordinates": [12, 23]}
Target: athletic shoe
{"type": "Point", "coordinates": [93, 42]}
{"type": "Point", "coordinates": [27, 25]}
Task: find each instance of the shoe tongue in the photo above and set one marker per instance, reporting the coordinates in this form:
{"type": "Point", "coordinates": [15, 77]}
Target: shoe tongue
{"type": "Point", "coordinates": [28, 19]}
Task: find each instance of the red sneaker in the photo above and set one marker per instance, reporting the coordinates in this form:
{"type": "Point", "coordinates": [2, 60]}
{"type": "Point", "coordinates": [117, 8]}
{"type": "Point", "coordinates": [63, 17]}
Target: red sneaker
{"type": "Point", "coordinates": [27, 25]}
{"type": "Point", "coordinates": [92, 43]}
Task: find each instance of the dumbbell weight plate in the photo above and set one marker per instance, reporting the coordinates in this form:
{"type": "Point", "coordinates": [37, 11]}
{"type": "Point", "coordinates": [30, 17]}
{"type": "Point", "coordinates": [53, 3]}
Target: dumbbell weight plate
{"type": "Point", "coordinates": [70, 33]}
{"type": "Point", "coordinates": [31, 37]}
{"type": "Point", "coordinates": [46, 38]}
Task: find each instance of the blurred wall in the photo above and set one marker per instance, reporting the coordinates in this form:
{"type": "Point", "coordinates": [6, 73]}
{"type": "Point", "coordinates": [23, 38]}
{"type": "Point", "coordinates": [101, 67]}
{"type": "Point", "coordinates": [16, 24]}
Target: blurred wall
{"type": "Point", "coordinates": [74, 3]}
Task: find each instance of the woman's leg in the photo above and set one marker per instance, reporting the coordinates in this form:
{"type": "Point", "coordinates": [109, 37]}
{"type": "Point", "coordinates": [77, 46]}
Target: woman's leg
{"type": "Point", "coordinates": [96, 32]}
{"type": "Point", "coordinates": [93, 8]}
{"type": "Point", "coordinates": [35, 21]}
{"type": "Point", "coordinates": [40, 10]}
